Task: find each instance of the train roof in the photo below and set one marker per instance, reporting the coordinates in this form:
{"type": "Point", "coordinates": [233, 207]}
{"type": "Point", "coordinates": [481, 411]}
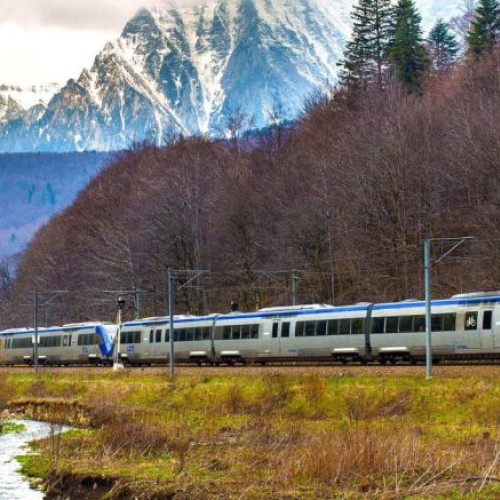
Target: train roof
{"type": "Point", "coordinates": [469, 299]}
{"type": "Point", "coordinates": [69, 328]}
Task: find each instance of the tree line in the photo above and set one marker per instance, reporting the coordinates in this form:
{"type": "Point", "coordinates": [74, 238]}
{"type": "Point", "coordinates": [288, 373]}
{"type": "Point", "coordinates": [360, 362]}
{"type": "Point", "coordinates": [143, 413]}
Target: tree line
{"type": "Point", "coordinates": [336, 204]}
{"type": "Point", "coordinates": [387, 43]}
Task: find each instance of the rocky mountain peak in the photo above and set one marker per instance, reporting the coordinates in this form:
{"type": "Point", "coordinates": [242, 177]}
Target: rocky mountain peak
{"type": "Point", "coordinates": [186, 70]}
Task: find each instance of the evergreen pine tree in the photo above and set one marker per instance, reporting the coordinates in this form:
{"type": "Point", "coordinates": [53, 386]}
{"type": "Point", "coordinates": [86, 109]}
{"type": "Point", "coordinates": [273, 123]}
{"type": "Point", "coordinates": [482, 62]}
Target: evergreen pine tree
{"type": "Point", "coordinates": [443, 46]}
{"type": "Point", "coordinates": [407, 52]}
{"type": "Point", "coordinates": [366, 54]}
{"type": "Point", "coordinates": [484, 30]}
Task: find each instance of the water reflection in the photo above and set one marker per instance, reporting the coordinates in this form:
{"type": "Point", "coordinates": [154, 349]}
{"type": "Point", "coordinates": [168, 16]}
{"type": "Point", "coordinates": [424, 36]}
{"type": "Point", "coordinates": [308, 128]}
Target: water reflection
{"type": "Point", "coordinates": [13, 486]}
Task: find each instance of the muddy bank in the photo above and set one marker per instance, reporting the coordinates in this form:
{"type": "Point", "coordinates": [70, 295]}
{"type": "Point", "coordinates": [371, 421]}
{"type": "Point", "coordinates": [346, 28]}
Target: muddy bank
{"type": "Point", "coordinates": [80, 487]}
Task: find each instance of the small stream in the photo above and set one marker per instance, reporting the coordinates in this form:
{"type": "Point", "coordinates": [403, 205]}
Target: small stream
{"type": "Point", "coordinates": [13, 486]}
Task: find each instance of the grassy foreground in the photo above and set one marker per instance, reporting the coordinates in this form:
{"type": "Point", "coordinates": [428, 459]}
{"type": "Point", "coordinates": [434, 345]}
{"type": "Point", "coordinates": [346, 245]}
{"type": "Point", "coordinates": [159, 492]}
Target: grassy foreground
{"type": "Point", "coordinates": [263, 434]}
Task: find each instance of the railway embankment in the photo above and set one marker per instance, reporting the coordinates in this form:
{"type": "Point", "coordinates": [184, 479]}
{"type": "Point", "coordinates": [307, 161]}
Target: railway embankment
{"type": "Point", "coordinates": [291, 432]}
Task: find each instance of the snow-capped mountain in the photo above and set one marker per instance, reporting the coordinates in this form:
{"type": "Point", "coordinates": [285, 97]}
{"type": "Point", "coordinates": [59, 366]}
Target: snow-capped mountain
{"type": "Point", "coordinates": [185, 70]}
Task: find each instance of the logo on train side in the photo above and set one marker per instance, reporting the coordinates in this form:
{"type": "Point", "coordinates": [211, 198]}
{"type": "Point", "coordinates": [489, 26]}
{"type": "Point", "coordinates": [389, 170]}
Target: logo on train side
{"type": "Point", "coordinates": [471, 321]}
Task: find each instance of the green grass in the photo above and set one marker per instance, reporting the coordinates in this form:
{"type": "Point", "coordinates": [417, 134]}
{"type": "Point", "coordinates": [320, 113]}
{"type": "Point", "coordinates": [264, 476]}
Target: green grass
{"type": "Point", "coordinates": [11, 426]}
{"type": "Point", "coordinates": [261, 435]}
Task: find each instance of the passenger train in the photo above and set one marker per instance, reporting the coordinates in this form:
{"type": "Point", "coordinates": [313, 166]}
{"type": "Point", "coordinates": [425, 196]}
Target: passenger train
{"type": "Point", "coordinates": [464, 327]}
{"type": "Point", "coordinates": [72, 344]}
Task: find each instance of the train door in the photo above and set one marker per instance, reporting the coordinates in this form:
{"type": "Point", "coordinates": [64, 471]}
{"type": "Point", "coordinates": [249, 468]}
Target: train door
{"type": "Point", "coordinates": [281, 336]}
{"type": "Point", "coordinates": [491, 326]}
{"type": "Point", "coordinates": [276, 329]}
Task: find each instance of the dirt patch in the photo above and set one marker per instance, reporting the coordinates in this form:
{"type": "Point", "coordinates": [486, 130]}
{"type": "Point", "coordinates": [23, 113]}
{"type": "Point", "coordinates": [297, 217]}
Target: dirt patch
{"type": "Point", "coordinates": [80, 487]}
{"type": "Point", "coordinates": [58, 411]}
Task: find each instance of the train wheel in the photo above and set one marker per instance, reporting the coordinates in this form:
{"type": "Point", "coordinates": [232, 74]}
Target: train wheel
{"type": "Point", "coordinates": [382, 361]}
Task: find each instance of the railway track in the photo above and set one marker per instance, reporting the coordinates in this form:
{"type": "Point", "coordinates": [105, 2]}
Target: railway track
{"type": "Point", "coordinates": [443, 370]}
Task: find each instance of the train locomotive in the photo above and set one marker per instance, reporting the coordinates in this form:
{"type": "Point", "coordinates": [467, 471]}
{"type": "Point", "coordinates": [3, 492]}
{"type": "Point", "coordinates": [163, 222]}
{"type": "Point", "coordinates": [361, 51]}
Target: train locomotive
{"type": "Point", "coordinates": [464, 327]}
{"type": "Point", "coordinates": [71, 344]}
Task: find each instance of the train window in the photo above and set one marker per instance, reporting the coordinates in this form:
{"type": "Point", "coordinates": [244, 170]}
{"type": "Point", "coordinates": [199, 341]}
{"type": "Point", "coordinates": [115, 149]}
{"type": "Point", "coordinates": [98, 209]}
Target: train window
{"type": "Point", "coordinates": [357, 326]}
{"type": "Point", "coordinates": [158, 336]}
{"type": "Point", "coordinates": [487, 317]}
{"type": "Point", "coordinates": [245, 334]}
{"type": "Point", "coordinates": [189, 335]}
{"type": "Point", "coordinates": [167, 336]}
{"type": "Point", "coordinates": [206, 333]}
{"type": "Point", "coordinates": [299, 329]}
{"type": "Point", "coordinates": [182, 335]}
{"type": "Point", "coordinates": [285, 330]}
{"type": "Point", "coordinates": [198, 332]}
{"type": "Point", "coordinates": [310, 328]}
{"type": "Point", "coordinates": [449, 322]}
{"type": "Point", "coordinates": [151, 336]}
{"type": "Point", "coordinates": [333, 327]}
{"type": "Point", "coordinates": [125, 338]}
{"type": "Point", "coordinates": [321, 328]}
{"type": "Point", "coordinates": [345, 327]}
{"type": "Point", "coordinates": [65, 341]}
{"type": "Point", "coordinates": [84, 338]}
{"type": "Point", "coordinates": [378, 325]}
{"type": "Point", "coordinates": [275, 330]}
{"type": "Point", "coordinates": [391, 324]}
{"type": "Point", "coordinates": [471, 321]}
{"type": "Point", "coordinates": [226, 335]}
{"type": "Point", "coordinates": [419, 324]}
{"type": "Point", "coordinates": [21, 343]}
{"type": "Point", "coordinates": [254, 331]}
{"type": "Point", "coordinates": [53, 341]}
{"type": "Point", "coordinates": [437, 322]}
{"type": "Point", "coordinates": [236, 333]}
{"type": "Point", "coordinates": [406, 324]}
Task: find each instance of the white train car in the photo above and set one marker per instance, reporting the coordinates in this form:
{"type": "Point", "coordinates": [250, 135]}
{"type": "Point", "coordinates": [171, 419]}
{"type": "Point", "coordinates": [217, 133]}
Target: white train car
{"type": "Point", "coordinates": [463, 327]}
{"type": "Point", "coordinates": [466, 326]}
{"type": "Point", "coordinates": [78, 343]}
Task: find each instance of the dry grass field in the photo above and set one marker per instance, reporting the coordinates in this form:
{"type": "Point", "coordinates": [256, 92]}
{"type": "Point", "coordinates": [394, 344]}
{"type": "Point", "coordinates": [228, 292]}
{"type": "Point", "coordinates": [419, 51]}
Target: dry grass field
{"type": "Point", "coordinates": [273, 432]}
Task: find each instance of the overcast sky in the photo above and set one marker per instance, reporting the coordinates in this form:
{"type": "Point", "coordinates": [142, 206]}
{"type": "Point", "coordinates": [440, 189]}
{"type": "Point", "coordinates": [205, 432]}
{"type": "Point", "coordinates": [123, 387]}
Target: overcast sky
{"type": "Point", "coordinates": [52, 40]}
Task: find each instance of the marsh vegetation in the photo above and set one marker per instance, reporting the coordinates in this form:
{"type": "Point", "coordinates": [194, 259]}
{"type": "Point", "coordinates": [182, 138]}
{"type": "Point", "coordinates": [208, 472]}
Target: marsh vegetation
{"type": "Point", "coordinates": [265, 434]}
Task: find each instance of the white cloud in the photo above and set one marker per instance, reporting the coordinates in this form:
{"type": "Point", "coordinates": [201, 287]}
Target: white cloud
{"type": "Point", "coordinates": [43, 55]}
{"type": "Point", "coordinates": [42, 41]}
{"type": "Point", "coordinates": [95, 15]}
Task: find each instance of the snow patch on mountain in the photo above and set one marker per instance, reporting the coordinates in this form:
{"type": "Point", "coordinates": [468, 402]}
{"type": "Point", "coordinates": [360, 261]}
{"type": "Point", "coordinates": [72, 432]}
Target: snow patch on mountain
{"type": "Point", "coordinates": [179, 69]}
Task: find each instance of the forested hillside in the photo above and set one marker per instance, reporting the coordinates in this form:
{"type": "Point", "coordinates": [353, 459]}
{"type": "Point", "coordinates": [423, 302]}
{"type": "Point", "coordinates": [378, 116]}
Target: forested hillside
{"type": "Point", "coordinates": [344, 197]}
{"type": "Point", "coordinates": [335, 206]}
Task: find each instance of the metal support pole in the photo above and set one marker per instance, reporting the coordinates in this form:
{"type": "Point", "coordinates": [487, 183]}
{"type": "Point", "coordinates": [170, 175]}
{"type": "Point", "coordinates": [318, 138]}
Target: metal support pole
{"type": "Point", "coordinates": [35, 347]}
{"type": "Point", "coordinates": [118, 365]}
{"type": "Point", "coordinates": [170, 278]}
{"type": "Point", "coordinates": [137, 303]}
{"type": "Point", "coordinates": [294, 288]}
{"type": "Point", "coordinates": [428, 329]}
